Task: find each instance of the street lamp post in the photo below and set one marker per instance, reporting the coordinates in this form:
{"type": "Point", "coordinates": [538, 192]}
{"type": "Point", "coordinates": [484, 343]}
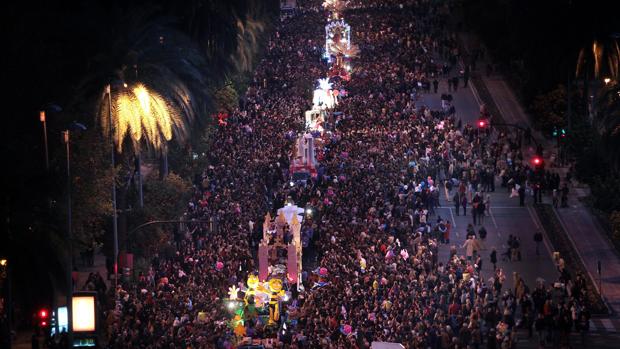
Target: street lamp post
{"type": "Point", "coordinates": [69, 275]}
{"type": "Point", "coordinates": [66, 137]}
{"type": "Point", "coordinates": [44, 121]}
{"type": "Point", "coordinates": [114, 213]}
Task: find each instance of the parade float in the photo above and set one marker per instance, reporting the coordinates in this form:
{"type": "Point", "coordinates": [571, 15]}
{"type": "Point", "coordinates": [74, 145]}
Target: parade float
{"type": "Point", "coordinates": [336, 32]}
{"type": "Point", "coordinates": [304, 157]}
{"type": "Point", "coordinates": [267, 295]}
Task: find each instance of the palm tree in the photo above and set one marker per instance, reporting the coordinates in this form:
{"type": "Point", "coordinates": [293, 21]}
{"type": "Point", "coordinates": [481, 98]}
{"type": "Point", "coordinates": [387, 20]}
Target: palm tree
{"type": "Point", "coordinates": [228, 29]}
{"type": "Point", "coordinates": [607, 123]}
{"type": "Point", "coordinates": [248, 34]}
{"type": "Point", "coordinates": [144, 51]}
{"type": "Point", "coordinates": [167, 80]}
{"type": "Point", "coordinates": [144, 117]}
{"type": "Point", "coordinates": [598, 58]}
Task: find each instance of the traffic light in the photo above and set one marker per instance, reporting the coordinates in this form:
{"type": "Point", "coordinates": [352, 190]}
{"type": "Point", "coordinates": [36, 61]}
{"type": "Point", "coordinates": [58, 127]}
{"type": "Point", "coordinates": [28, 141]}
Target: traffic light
{"type": "Point", "coordinates": [555, 132]}
{"type": "Point", "coordinates": [538, 162]}
{"type": "Point", "coordinates": [563, 133]}
{"type": "Point", "coordinates": [43, 317]}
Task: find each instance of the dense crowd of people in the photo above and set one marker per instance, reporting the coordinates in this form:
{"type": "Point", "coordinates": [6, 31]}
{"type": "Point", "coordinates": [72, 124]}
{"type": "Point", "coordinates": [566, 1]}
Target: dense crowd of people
{"type": "Point", "coordinates": [382, 170]}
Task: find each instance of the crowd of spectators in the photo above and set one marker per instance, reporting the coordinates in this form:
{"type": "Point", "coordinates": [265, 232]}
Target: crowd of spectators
{"type": "Point", "coordinates": [382, 171]}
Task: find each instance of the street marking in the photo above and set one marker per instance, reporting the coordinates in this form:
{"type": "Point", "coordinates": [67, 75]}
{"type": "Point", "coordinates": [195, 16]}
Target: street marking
{"type": "Point", "coordinates": [530, 210]}
{"type": "Point", "coordinates": [532, 215]}
{"type": "Point", "coordinates": [608, 325]}
{"type": "Point", "coordinates": [452, 215]}
{"type": "Point", "coordinates": [593, 325]}
{"type": "Point", "coordinates": [471, 86]}
{"type": "Point", "coordinates": [492, 218]}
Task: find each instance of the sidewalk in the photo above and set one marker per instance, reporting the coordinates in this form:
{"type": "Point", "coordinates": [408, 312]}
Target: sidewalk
{"type": "Point", "coordinates": [593, 245]}
{"type": "Point", "coordinates": [588, 238]}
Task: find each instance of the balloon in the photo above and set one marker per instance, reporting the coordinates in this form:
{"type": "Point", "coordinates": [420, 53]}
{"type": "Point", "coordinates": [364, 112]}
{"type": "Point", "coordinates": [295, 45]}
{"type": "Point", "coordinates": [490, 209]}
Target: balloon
{"type": "Point", "coordinates": [323, 271]}
{"type": "Point", "coordinates": [336, 93]}
{"type": "Point", "coordinates": [347, 329]}
{"type": "Point", "coordinates": [404, 254]}
{"type": "Point", "coordinates": [219, 266]}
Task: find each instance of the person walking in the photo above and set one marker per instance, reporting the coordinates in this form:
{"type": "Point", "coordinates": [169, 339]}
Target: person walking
{"type": "Point", "coordinates": [565, 195]}
{"type": "Point", "coordinates": [435, 85]}
{"type": "Point", "coordinates": [475, 202]}
{"type": "Point", "coordinates": [493, 258]}
{"type": "Point", "coordinates": [482, 233]}
{"type": "Point", "coordinates": [470, 247]}
{"type": "Point", "coordinates": [521, 191]}
{"type": "Point", "coordinates": [538, 238]}
{"type": "Point", "coordinates": [455, 83]}
{"type": "Point", "coordinates": [464, 203]}
{"type": "Point", "coordinates": [481, 209]}
{"type": "Point", "coordinates": [457, 201]}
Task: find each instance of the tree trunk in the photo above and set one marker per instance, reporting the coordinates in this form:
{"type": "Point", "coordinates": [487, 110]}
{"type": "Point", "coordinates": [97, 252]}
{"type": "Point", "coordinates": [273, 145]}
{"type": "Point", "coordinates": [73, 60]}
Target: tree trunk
{"type": "Point", "coordinates": [163, 163]}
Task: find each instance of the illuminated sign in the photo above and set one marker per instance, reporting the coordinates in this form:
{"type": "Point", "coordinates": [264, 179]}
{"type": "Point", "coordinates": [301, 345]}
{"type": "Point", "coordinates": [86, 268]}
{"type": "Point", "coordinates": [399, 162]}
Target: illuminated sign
{"type": "Point", "coordinates": [83, 313]}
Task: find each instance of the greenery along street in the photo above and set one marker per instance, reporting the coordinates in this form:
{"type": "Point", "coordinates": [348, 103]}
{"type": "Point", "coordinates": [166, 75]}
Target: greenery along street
{"type": "Point", "coordinates": [181, 64]}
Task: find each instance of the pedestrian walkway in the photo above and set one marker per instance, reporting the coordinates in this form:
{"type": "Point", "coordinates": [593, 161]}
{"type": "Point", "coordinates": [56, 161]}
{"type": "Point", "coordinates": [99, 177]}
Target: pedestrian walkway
{"type": "Point", "coordinates": [593, 245]}
{"type": "Point", "coordinates": [588, 238]}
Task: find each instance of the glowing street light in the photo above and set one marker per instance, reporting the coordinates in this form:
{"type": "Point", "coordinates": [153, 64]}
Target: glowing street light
{"type": "Point", "coordinates": [607, 80]}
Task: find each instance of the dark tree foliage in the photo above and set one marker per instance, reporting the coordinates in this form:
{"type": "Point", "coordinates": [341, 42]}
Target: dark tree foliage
{"type": "Point", "coordinates": [539, 41]}
{"type": "Point", "coordinates": [63, 52]}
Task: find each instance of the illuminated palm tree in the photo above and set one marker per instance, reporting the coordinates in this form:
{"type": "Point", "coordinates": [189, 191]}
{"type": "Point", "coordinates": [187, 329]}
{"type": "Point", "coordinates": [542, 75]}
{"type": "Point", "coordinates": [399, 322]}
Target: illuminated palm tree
{"type": "Point", "coordinates": [144, 117]}
{"type": "Point", "coordinates": [155, 61]}
{"type": "Point", "coordinates": [598, 59]}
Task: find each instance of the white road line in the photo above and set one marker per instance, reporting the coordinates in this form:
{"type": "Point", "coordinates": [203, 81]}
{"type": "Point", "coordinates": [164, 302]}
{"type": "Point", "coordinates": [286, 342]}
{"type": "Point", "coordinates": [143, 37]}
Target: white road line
{"type": "Point", "coordinates": [492, 218]}
{"type": "Point", "coordinates": [452, 215]}
{"type": "Point", "coordinates": [593, 326]}
{"type": "Point", "coordinates": [609, 327]}
{"type": "Point", "coordinates": [534, 219]}
{"type": "Point", "coordinates": [471, 86]}
{"type": "Point", "coordinates": [530, 210]}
